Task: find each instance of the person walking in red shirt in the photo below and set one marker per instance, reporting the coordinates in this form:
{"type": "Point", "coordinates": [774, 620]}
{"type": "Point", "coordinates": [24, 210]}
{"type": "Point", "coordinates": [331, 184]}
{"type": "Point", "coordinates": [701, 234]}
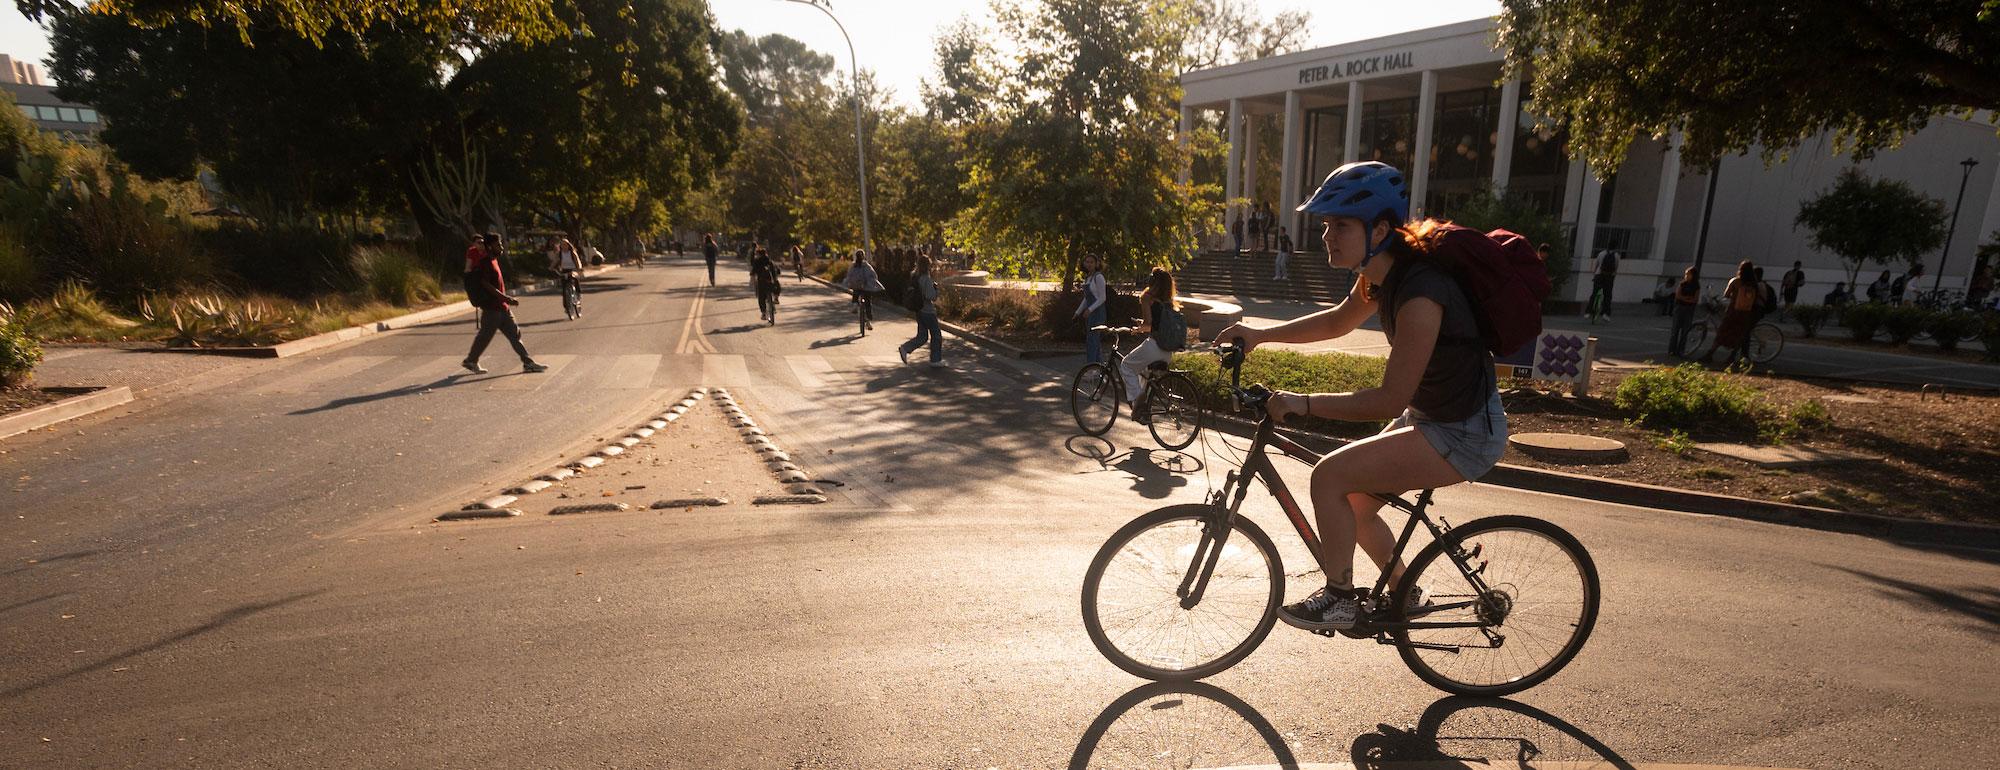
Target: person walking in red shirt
{"type": "Point", "coordinates": [486, 288]}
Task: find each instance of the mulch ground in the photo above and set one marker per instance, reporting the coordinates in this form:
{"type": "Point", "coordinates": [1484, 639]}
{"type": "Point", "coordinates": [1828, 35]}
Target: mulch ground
{"type": "Point", "coordinates": [24, 397]}
{"type": "Point", "coordinates": [1941, 453]}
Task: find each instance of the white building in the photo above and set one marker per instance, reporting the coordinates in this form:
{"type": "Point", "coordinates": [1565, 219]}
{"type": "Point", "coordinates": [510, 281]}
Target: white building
{"type": "Point", "coordinates": [1373, 99]}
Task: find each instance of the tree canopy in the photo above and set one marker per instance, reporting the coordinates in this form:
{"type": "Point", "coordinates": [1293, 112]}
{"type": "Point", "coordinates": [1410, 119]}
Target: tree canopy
{"type": "Point", "coordinates": [1736, 75]}
{"type": "Point", "coordinates": [467, 21]}
{"type": "Point", "coordinates": [1873, 220]}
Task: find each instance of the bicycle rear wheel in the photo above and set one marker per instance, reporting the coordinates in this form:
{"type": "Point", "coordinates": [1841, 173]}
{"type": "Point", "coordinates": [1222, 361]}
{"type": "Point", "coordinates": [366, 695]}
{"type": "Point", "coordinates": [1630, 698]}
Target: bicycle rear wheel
{"type": "Point", "coordinates": [1132, 603]}
{"type": "Point", "coordinates": [1093, 399]}
{"type": "Point", "coordinates": [1537, 607]}
{"type": "Point", "coordinates": [1175, 407]}
{"type": "Point", "coordinates": [1764, 343]}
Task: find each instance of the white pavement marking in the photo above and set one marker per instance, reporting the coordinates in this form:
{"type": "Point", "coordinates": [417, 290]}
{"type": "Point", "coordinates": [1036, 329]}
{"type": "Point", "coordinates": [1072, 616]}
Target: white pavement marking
{"type": "Point", "coordinates": [632, 371]}
{"type": "Point", "coordinates": [692, 340]}
{"type": "Point", "coordinates": [316, 373]}
{"type": "Point", "coordinates": [725, 368]}
{"type": "Point", "coordinates": [813, 371]}
{"type": "Point", "coordinates": [515, 379]}
{"type": "Point", "coordinates": [677, 370]}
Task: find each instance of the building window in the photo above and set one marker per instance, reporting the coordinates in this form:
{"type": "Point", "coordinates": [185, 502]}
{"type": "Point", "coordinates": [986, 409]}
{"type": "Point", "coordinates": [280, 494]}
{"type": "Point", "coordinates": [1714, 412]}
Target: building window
{"type": "Point", "coordinates": [48, 113]}
{"type": "Point", "coordinates": [89, 115]}
{"type": "Point", "coordinates": [1541, 167]}
{"type": "Point", "coordinates": [69, 115]}
{"type": "Point", "coordinates": [1467, 130]}
{"type": "Point", "coordinates": [27, 109]}
{"type": "Point", "coordinates": [1386, 128]}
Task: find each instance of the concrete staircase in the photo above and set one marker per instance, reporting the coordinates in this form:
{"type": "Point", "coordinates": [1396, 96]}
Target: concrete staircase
{"type": "Point", "coordinates": [1249, 275]}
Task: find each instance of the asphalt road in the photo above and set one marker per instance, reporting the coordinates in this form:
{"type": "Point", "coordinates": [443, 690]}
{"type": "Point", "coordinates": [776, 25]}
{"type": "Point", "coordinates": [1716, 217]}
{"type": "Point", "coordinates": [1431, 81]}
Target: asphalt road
{"type": "Point", "coordinates": [245, 574]}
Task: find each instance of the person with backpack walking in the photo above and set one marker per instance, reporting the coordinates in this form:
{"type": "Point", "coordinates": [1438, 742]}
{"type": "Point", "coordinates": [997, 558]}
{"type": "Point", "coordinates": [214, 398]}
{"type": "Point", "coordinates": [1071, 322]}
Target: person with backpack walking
{"type": "Point", "coordinates": [1165, 329]}
{"type": "Point", "coordinates": [1879, 290]}
{"type": "Point", "coordinates": [486, 288]}
{"type": "Point", "coordinates": [1439, 387]}
{"type": "Point", "coordinates": [922, 293]}
{"type": "Point", "coordinates": [862, 281]}
{"type": "Point", "coordinates": [1604, 276]}
{"type": "Point", "coordinates": [1767, 297]}
{"type": "Point", "coordinates": [709, 252]}
{"type": "Point", "coordinates": [1795, 279]}
{"type": "Point", "coordinates": [764, 280]}
{"type": "Point", "coordinates": [1094, 308]}
{"type": "Point", "coordinates": [1284, 256]}
{"type": "Point", "coordinates": [1904, 282]}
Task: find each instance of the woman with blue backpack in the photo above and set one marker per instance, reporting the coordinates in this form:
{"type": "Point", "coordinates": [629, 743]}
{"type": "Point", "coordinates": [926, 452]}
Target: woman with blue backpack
{"type": "Point", "coordinates": [1165, 330]}
{"type": "Point", "coordinates": [1448, 297]}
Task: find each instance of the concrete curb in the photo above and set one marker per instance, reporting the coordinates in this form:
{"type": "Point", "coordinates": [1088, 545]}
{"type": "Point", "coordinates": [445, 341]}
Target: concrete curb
{"type": "Point", "coordinates": [1684, 500]}
{"type": "Point", "coordinates": [798, 485]}
{"type": "Point", "coordinates": [87, 401]}
{"type": "Point", "coordinates": [351, 333]}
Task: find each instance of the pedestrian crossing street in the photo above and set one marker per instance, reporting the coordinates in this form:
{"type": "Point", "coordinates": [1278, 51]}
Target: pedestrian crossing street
{"type": "Point", "coordinates": [362, 374]}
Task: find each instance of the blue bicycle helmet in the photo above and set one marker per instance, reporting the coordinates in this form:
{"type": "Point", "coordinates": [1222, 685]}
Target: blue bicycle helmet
{"type": "Point", "coordinates": [1366, 191]}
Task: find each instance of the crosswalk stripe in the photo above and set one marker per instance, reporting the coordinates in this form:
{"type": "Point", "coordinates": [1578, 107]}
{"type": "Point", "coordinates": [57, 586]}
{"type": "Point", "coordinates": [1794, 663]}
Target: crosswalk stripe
{"type": "Point", "coordinates": [678, 369]}
{"type": "Point", "coordinates": [309, 375]}
{"type": "Point", "coordinates": [560, 366]}
{"type": "Point", "coordinates": [813, 371]}
{"type": "Point", "coordinates": [725, 369]}
{"type": "Point", "coordinates": [632, 371]}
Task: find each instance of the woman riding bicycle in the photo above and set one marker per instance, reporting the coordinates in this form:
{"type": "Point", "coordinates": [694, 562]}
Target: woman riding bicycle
{"type": "Point", "coordinates": [862, 281]}
{"type": "Point", "coordinates": [568, 266]}
{"type": "Point", "coordinates": [1439, 387]}
{"type": "Point", "coordinates": [1157, 300]}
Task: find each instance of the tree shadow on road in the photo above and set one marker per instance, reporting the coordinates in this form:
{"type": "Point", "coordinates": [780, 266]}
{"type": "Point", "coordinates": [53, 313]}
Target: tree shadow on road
{"type": "Point", "coordinates": [1981, 603]}
{"type": "Point", "coordinates": [50, 560]}
{"type": "Point", "coordinates": [222, 619]}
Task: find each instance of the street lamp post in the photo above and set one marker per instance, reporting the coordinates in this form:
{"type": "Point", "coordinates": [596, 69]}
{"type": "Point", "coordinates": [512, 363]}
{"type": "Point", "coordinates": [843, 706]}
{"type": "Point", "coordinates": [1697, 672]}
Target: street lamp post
{"type": "Point", "coordinates": [1968, 163]}
{"type": "Point", "coordinates": [860, 153]}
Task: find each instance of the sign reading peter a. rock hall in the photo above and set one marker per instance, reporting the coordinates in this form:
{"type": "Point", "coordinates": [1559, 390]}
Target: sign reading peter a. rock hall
{"type": "Point", "coordinates": [1366, 65]}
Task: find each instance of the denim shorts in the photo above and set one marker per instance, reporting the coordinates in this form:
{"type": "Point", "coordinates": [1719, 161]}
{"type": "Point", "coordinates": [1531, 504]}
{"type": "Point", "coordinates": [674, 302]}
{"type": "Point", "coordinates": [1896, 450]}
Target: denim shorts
{"type": "Point", "coordinates": [1472, 445]}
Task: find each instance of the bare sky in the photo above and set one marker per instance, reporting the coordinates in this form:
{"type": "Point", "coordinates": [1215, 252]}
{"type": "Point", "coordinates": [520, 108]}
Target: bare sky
{"type": "Point", "coordinates": [893, 37]}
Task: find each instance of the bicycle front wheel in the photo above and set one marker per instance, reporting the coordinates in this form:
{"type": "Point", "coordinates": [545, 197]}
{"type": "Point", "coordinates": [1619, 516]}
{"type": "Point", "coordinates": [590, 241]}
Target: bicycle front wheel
{"type": "Point", "coordinates": [1529, 591]}
{"type": "Point", "coordinates": [1132, 593]}
{"type": "Point", "coordinates": [1765, 342]}
{"type": "Point", "coordinates": [1175, 408]}
{"type": "Point", "coordinates": [1093, 399]}
{"type": "Point", "coordinates": [1697, 340]}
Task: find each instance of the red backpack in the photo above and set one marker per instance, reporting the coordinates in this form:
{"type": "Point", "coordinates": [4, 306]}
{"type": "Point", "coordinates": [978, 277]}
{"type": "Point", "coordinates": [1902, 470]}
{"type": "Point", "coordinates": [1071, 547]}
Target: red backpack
{"type": "Point", "coordinates": [1506, 280]}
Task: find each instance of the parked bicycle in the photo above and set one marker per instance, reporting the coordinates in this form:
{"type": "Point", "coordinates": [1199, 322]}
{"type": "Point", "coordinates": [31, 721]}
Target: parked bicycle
{"type": "Point", "coordinates": [1762, 343]}
{"type": "Point", "coordinates": [1171, 407]}
{"type": "Point", "coordinates": [1187, 591]}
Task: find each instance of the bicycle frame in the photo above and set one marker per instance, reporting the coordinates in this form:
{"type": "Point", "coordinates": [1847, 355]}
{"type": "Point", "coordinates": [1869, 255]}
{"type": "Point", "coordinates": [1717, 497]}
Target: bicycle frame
{"type": "Point", "coordinates": [1258, 465]}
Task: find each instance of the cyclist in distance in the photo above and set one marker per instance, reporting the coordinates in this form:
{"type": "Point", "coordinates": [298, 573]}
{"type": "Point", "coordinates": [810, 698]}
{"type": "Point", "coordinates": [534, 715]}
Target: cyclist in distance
{"type": "Point", "coordinates": [862, 281]}
{"type": "Point", "coordinates": [1439, 387]}
{"type": "Point", "coordinates": [567, 264]}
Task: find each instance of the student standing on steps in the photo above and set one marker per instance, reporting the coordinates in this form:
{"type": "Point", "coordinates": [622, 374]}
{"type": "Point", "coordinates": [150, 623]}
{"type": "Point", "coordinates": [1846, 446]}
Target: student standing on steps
{"type": "Point", "coordinates": [1284, 256]}
{"type": "Point", "coordinates": [486, 288]}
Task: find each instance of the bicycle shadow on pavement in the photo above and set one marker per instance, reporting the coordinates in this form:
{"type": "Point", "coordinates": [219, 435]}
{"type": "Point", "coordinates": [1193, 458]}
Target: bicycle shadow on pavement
{"type": "Point", "coordinates": [1156, 473]}
{"type": "Point", "coordinates": [1196, 724]}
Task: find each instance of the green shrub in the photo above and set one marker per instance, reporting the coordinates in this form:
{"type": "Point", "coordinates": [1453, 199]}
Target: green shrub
{"type": "Point", "coordinates": [1904, 321]}
{"type": "Point", "coordinates": [1293, 371]}
{"type": "Point", "coordinates": [1689, 399]}
{"type": "Point", "coordinates": [1950, 326]}
{"type": "Point", "coordinates": [1810, 317]}
{"type": "Point", "coordinates": [836, 271]}
{"type": "Point", "coordinates": [17, 268]}
{"type": "Point", "coordinates": [19, 352]}
{"type": "Point", "coordinates": [1863, 319]}
{"type": "Point", "coordinates": [395, 275]}
{"type": "Point", "coordinates": [292, 261]}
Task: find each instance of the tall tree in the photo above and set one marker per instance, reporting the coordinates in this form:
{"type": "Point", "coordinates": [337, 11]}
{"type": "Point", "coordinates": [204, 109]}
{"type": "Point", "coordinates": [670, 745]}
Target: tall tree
{"type": "Point", "coordinates": [1873, 220]}
{"type": "Point", "coordinates": [1736, 75]}
{"type": "Point", "coordinates": [1079, 156]}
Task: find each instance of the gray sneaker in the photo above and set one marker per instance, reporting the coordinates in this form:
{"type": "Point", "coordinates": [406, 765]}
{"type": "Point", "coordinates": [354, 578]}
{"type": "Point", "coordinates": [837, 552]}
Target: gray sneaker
{"type": "Point", "coordinates": [1327, 609]}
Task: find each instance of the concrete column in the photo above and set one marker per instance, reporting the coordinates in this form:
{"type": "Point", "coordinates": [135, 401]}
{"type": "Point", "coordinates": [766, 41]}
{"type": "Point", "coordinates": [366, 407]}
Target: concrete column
{"type": "Point", "coordinates": [1249, 160]}
{"type": "Point", "coordinates": [1572, 190]}
{"type": "Point", "coordinates": [1187, 129]}
{"type": "Point", "coordinates": [1510, 119]}
{"type": "Point", "coordinates": [1663, 204]}
{"type": "Point", "coordinates": [1586, 232]}
{"type": "Point", "coordinates": [1288, 176]}
{"type": "Point", "coordinates": [1988, 222]}
{"type": "Point", "coordinates": [1232, 183]}
{"type": "Point", "coordinates": [1351, 143]}
{"type": "Point", "coordinates": [1420, 165]}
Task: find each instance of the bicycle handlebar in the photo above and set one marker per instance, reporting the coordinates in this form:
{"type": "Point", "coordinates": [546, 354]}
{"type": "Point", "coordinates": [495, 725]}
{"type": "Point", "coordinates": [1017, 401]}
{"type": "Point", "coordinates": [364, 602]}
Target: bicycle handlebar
{"type": "Point", "coordinates": [1253, 397]}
